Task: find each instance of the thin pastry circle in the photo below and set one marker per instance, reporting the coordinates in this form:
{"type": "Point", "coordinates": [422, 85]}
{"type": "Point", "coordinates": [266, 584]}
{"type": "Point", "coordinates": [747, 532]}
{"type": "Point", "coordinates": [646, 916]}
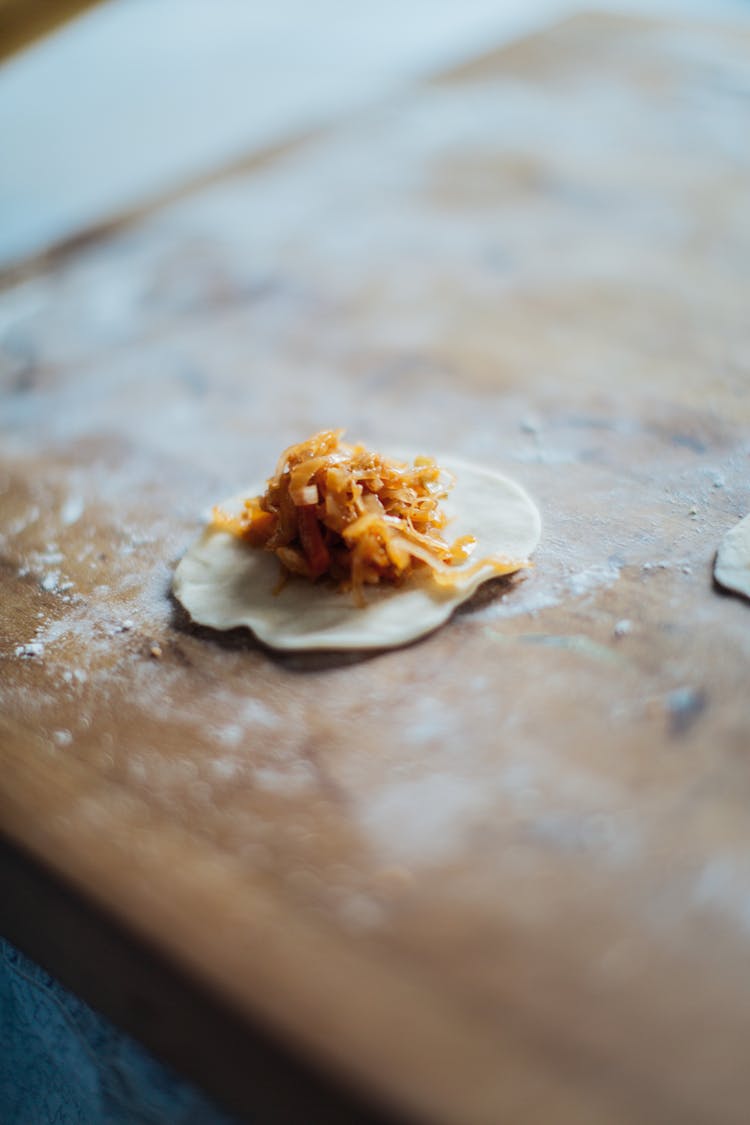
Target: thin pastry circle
{"type": "Point", "coordinates": [224, 583]}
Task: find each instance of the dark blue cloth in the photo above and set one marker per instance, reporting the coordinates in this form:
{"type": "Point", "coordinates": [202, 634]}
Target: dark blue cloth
{"type": "Point", "coordinates": [63, 1064]}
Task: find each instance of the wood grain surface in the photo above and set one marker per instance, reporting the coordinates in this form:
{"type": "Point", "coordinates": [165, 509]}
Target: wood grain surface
{"type": "Point", "coordinates": [502, 875]}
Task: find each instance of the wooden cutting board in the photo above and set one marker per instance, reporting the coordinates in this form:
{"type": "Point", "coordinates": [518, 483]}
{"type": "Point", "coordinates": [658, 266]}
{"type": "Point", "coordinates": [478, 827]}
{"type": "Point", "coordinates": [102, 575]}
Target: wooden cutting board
{"type": "Point", "coordinates": [502, 874]}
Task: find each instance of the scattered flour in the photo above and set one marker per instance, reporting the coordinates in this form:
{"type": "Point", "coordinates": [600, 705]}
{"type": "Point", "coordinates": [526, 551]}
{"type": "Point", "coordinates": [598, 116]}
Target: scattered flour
{"type": "Point", "coordinates": [15, 527]}
{"type": "Point", "coordinates": [224, 768]}
{"type": "Point", "coordinates": [593, 578]}
{"type": "Point", "coordinates": [430, 721]}
{"type": "Point", "coordinates": [230, 735]}
{"type": "Point", "coordinates": [446, 804]}
{"type": "Point", "coordinates": [723, 885]}
{"type": "Point", "coordinates": [360, 912]}
{"type": "Point", "coordinates": [259, 714]}
{"type": "Point", "coordinates": [51, 557]}
{"type": "Point", "coordinates": [528, 598]}
{"type": "Point", "coordinates": [72, 510]}
{"type": "Point", "coordinates": [297, 778]}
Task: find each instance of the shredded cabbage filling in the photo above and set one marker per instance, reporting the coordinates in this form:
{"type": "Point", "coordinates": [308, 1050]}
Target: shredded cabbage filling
{"type": "Point", "coordinates": [357, 517]}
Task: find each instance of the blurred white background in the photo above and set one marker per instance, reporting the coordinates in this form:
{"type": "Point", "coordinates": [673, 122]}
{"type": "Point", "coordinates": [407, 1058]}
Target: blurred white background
{"type": "Point", "coordinates": [139, 96]}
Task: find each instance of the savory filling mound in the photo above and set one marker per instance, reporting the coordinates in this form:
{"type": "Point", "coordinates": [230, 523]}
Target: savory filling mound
{"type": "Point", "coordinates": [357, 517]}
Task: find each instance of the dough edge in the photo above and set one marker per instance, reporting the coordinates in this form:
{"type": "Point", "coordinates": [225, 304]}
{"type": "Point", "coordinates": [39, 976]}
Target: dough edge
{"type": "Point", "coordinates": [732, 566]}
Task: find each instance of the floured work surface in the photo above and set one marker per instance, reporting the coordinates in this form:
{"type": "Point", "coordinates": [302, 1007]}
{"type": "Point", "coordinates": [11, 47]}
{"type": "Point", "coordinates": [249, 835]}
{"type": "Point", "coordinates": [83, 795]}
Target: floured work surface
{"type": "Point", "coordinates": [502, 874]}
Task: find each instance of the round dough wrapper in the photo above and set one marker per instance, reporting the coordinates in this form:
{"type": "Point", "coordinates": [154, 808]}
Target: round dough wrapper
{"type": "Point", "coordinates": [224, 583]}
{"type": "Point", "coordinates": [732, 568]}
